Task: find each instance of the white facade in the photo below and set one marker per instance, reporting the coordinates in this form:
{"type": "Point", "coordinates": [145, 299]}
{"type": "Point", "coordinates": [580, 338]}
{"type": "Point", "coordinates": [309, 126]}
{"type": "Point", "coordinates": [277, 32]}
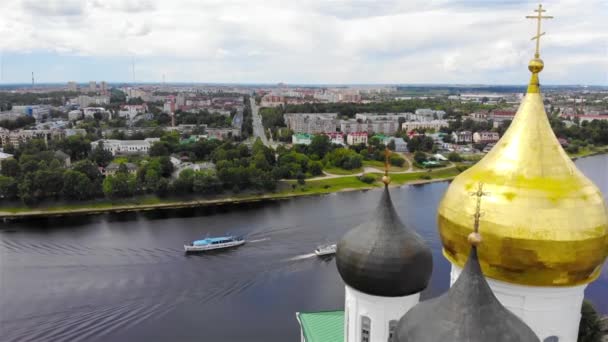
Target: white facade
{"type": "Point", "coordinates": [356, 138]}
{"type": "Point", "coordinates": [434, 124]}
{"type": "Point", "coordinates": [126, 146]}
{"type": "Point", "coordinates": [549, 311]}
{"type": "Point", "coordinates": [375, 317]}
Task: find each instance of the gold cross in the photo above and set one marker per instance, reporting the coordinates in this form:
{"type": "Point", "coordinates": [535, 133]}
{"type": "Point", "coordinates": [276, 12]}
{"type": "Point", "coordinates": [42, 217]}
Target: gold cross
{"type": "Point", "coordinates": [479, 194]}
{"type": "Point", "coordinates": [387, 154]}
{"type": "Point", "coordinates": [538, 17]}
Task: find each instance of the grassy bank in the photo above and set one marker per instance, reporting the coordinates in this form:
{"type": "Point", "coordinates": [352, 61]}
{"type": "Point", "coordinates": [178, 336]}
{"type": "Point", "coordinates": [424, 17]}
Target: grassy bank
{"type": "Point", "coordinates": [288, 189]}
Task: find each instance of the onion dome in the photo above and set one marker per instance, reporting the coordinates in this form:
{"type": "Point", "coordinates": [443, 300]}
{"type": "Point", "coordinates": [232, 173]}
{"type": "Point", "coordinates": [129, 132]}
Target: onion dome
{"type": "Point", "coordinates": [383, 257]}
{"type": "Point", "coordinates": [546, 223]}
{"type": "Point", "coordinates": [469, 312]}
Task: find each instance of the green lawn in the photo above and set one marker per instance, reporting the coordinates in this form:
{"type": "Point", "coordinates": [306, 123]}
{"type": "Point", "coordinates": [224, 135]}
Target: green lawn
{"type": "Point", "coordinates": [380, 165]}
{"type": "Point", "coordinates": [339, 171]}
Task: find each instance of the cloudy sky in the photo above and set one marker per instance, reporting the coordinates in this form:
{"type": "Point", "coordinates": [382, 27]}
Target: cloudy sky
{"type": "Point", "coordinates": [301, 41]}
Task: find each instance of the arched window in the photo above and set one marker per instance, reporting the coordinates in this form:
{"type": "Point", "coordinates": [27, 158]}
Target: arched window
{"type": "Point", "coordinates": [366, 325]}
{"type": "Point", "coordinates": [551, 339]}
{"type": "Point", "coordinates": [392, 325]}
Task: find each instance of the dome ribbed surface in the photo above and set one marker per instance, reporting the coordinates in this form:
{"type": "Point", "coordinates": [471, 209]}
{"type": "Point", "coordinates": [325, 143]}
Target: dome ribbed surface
{"type": "Point", "coordinates": [383, 257]}
{"type": "Point", "coordinates": [468, 312]}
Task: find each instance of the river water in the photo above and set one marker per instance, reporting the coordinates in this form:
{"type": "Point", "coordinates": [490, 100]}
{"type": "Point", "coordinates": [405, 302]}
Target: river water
{"type": "Point", "coordinates": [124, 277]}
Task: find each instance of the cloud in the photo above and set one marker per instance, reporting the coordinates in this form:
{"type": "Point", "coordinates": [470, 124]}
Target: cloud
{"type": "Point", "coordinates": [313, 41]}
{"type": "Point", "coordinates": [54, 7]}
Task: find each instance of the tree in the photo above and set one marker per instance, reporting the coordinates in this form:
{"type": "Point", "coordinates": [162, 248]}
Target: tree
{"type": "Point", "coordinates": [8, 187]}
{"type": "Point", "coordinates": [10, 168]}
{"type": "Point", "coordinates": [396, 160]}
{"type": "Point", "coordinates": [184, 182]}
{"type": "Point", "coordinates": [315, 167]}
{"type": "Point", "coordinates": [158, 149]}
{"type": "Point", "coordinates": [76, 186]}
{"type": "Point", "coordinates": [454, 157]}
{"type": "Point", "coordinates": [101, 156]}
{"type": "Point", "coordinates": [319, 145]}
{"type": "Point", "coordinates": [419, 157]}
{"type": "Point", "coordinates": [119, 185]}
{"type": "Point", "coordinates": [77, 146]}
{"type": "Point", "coordinates": [589, 328]}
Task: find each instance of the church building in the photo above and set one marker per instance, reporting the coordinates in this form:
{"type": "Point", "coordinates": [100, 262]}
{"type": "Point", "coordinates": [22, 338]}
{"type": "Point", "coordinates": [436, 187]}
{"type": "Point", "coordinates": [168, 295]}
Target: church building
{"type": "Point", "coordinates": [524, 230]}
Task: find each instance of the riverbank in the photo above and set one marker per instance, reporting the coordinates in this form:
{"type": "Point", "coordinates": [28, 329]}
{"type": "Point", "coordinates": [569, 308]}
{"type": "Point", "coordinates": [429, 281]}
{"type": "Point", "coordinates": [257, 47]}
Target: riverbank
{"type": "Point", "coordinates": [288, 189]}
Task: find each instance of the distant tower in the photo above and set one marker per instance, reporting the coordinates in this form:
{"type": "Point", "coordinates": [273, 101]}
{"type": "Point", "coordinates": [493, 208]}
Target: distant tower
{"type": "Point", "coordinates": [32, 79]}
{"type": "Point", "coordinates": [385, 265]}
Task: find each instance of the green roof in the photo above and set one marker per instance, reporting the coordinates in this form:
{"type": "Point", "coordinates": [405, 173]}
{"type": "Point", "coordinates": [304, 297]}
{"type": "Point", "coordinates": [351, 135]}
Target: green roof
{"type": "Point", "coordinates": [324, 326]}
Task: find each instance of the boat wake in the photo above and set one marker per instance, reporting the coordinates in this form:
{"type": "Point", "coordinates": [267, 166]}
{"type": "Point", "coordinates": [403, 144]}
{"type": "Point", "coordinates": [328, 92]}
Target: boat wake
{"type": "Point", "coordinates": [258, 240]}
{"type": "Point", "coordinates": [302, 257]}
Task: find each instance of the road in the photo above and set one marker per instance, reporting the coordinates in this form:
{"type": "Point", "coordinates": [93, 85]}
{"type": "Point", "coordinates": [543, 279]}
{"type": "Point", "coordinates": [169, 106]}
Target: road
{"type": "Point", "coordinates": [258, 128]}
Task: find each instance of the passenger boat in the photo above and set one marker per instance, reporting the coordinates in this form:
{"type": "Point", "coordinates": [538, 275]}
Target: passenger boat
{"type": "Point", "coordinates": [325, 250]}
{"type": "Point", "coordinates": [214, 243]}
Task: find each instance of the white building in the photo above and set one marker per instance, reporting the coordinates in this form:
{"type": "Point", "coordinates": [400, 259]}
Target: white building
{"type": "Point", "coordinates": [433, 124]}
{"type": "Point", "coordinates": [485, 137]}
{"type": "Point", "coordinates": [85, 100]}
{"type": "Point", "coordinates": [356, 138]}
{"type": "Point", "coordinates": [131, 111]}
{"type": "Point", "coordinates": [74, 115]}
{"type": "Point", "coordinates": [462, 137]}
{"type": "Point", "coordinates": [126, 146]}
{"type": "Point", "coordinates": [89, 112]}
{"type": "Point", "coordinates": [311, 123]}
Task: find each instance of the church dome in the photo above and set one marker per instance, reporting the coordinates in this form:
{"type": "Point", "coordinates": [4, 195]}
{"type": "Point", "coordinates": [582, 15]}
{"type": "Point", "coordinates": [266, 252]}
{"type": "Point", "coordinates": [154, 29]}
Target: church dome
{"type": "Point", "coordinates": [383, 257]}
{"type": "Point", "coordinates": [544, 222]}
{"type": "Point", "coordinates": [469, 312]}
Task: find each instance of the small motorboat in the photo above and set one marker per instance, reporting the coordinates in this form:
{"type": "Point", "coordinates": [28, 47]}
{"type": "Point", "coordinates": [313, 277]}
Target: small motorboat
{"type": "Point", "coordinates": [326, 250]}
{"type": "Point", "coordinates": [214, 243]}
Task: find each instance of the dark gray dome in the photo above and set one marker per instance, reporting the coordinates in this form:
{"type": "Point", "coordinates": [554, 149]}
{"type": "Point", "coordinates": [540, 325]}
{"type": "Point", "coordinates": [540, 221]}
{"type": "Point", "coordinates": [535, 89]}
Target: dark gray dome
{"type": "Point", "coordinates": [469, 312]}
{"type": "Point", "coordinates": [383, 257]}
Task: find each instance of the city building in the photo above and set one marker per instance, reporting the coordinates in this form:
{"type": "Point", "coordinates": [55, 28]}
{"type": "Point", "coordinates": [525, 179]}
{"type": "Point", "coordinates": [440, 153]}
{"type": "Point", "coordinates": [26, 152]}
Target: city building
{"type": "Point", "coordinates": [85, 100]}
{"type": "Point", "coordinates": [400, 145]}
{"type": "Point", "coordinates": [356, 138]}
{"type": "Point", "coordinates": [103, 87]}
{"type": "Point", "coordinates": [131, 111]}
{"type": "Point", "coordinates": [311, 123]}
{"type": "Point", "coordinates": [222, 133]}
{"type": "Point", "coordinates": [435, 125]}
{"type": "Point", "coordinates": [117, 147]}
{"type": "Point", "coordinates": [72, 86]}
{"type": "Point", "coordinates": [519, 261]}
{"type": "Point", "coordinates": [434, 114]}
{"type": "Point", "coordinates": [35, 111]}
{"type": "Point", "coordinates": [20, 136]}
{"type": "Point", "coordinates": [270, 100]}
{"type": "Point", "coordinates": [301, 139]}
{"type": "Point", "coordinates": [74, 115]}
{"type": "Point", "coordinates": [113, 168]}
{"type": "Point", "coordinates": [92, 86]}
{"type": "Point", "coordinates": [89, 112]}
{"type": "Point", "coordinates": [336, 138]}
{"type": "Point", "coordinates": [485, 137]}
{"type": "Point", "coordinates": [462, 137]}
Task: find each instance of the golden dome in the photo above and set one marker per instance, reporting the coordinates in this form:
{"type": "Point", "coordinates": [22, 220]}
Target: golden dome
{"type": "Point", "coordinates": [543, 223]}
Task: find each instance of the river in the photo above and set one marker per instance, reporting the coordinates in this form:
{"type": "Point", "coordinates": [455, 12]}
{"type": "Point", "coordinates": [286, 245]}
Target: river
{"type": "Point", "coordinates": [124, 277]}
